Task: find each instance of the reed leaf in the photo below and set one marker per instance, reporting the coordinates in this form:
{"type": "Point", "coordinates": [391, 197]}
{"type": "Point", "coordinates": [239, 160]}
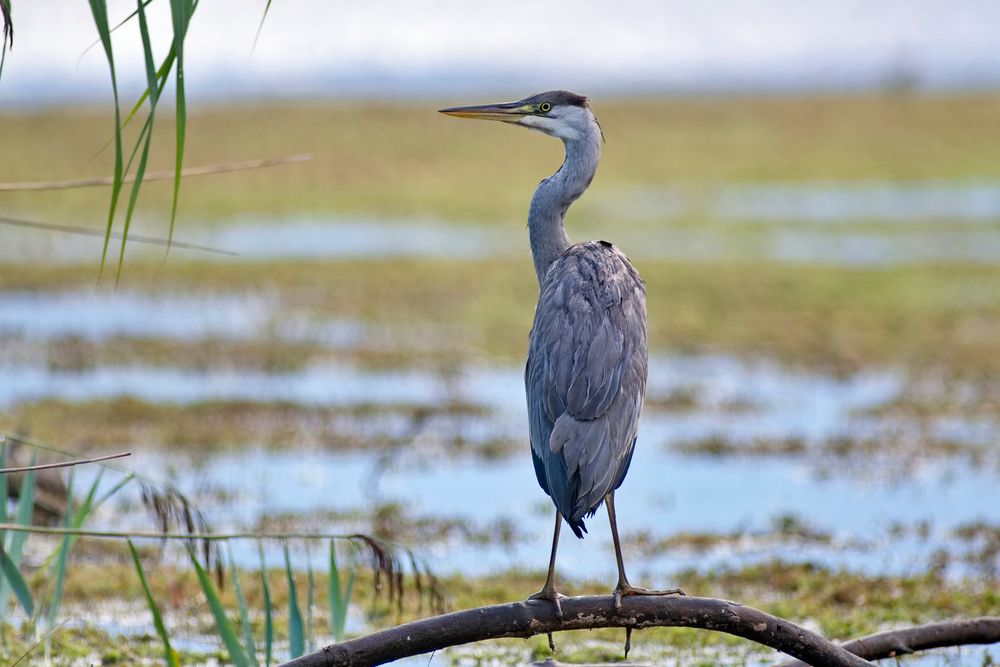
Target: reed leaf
{"type": "Point", "coordinates": [3, 490]}
{"type": "Point", "coordinates": [169, 654]}
{"type": "Point", "coordinates": [296, 639]}
{"type": "Point", "coordinates": [17, 583]}
{"type": "Point", "coordinates": [310, 599]}
{"type": "Point", "coordinates": [22, 517]}
{"type": "Point", "coordinates": [248, 642]}
{"type": "Point", "coordinates": [260, 27]}
{"type": "Point", "coordinates": [99, 9]}
{"type": "Point", "coordinates": [225, 629]}
{"type": "Point", "coordinates": [7, 39]}
{"type": "Point", "coordinates": [162, 74]}
{"type": "Point", "coordinates": [339, 598]}
{"type": "Point", "coordinates": [73, 521]}
{"type": "Point", "coordinates": [125, 20]}
{"type": "Point", "coordinates": [86, 508]}
{"type": "Point", "coordinates": [180, 11]}
{"type": "Point", "coordinates": [140, 172]}
{"type": "Point", "coordinates": [268, 616]}
{"type": "Point", "coordinates": [60, 563]}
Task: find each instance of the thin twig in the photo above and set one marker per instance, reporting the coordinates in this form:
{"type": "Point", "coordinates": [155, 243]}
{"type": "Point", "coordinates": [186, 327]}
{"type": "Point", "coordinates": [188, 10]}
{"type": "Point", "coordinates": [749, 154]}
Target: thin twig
{"type": "Point", "coordinates": [64, 464]}
{"type": "Point", "coordinates": [100, 233]}
{"type": "Point", "coordinates": [46, 447]}
{"type": "Point", "coordinates": [41, 641]}
{"type": "Point", "coordinates": [157, 175]}
{"type": "Point", "coordinates": [152, 535]}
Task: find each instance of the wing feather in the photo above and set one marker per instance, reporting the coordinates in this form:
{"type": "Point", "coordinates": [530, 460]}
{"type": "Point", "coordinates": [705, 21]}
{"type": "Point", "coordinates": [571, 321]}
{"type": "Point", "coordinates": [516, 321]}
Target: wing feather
{"type": "Point", "coordinates": [586, 376]}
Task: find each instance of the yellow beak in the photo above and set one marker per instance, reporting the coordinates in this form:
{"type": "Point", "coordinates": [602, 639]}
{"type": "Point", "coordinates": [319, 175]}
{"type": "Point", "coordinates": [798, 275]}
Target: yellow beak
{"type": "Point", "coordinates": [509, 112]}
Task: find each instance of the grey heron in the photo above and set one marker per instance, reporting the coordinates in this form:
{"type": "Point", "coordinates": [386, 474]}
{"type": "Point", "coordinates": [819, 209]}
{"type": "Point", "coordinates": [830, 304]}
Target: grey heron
{"type": "Point", "coordinates": [587, 357]}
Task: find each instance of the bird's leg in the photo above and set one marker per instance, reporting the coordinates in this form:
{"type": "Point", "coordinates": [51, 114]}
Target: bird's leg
{"type": "Point", "coordinates": [624, 587]}
{"type": "Point", "coordinates": [549, 591]}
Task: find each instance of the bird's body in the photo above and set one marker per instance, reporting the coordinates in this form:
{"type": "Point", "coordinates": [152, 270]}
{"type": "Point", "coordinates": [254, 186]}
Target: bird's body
{"type": "Point", "coordinates": [586, 376]}
{"type": "Point", "coordinates": [586, 372]}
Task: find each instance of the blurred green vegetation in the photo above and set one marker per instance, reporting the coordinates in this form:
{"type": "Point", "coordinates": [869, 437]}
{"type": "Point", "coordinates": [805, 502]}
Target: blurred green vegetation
{"type": "Point", "coordinates": [403, 160]}
{"type": "Point", "coordinates": [840, 319]}
{"type": "Point", "coordinates": [841, 604]}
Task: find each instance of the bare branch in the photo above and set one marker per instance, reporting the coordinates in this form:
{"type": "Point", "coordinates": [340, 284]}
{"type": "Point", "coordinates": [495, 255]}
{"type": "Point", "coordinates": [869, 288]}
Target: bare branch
{"type": "Point", "coordinates": [163, 535]}
{"type": "Point", "coordinates": [64, 464]}
{"type": "Point", "coordinates": [100, 233]}
{"type": "Point", "coordinates": [984, 630]}
{"type": "Point", "coordinates": [157, 175]}
{"type": "Point", "coordinates": [525, 619]}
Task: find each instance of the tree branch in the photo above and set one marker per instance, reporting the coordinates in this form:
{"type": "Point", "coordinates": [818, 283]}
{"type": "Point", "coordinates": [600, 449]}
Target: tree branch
{"type": "Point", "coordinates": [525, 619]}
{"type": "Point", "coordinates": [984, 630]}
{"type": "Point", "coordinates": [157, 175]}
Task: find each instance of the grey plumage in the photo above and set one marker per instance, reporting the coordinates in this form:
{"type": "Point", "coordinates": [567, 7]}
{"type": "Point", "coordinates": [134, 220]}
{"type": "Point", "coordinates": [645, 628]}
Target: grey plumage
{"type": "Point", "coordinates": [586, 376]}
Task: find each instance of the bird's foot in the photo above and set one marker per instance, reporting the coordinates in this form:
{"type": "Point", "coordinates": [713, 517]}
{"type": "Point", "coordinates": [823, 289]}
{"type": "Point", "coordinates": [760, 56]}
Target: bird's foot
{"type": "Point", "coordinates": [552, 595]}
{"type": "Point", "coordinates": [621, 590]}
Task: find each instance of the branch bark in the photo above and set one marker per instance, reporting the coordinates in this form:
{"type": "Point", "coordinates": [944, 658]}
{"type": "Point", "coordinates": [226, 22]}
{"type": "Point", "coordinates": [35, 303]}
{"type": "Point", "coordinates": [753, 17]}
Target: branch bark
{"type": "Point", "coordinates": [984, 630]}
{"type": "Point", "coordinates": [525, 619]}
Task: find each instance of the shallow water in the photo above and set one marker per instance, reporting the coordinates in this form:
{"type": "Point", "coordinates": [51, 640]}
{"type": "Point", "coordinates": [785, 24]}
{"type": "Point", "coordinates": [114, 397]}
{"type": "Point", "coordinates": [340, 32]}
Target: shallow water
{"type": "Point", "coordinates": [885, 201]}
{"type": "Point", "coordinates": [819, 202]}
{"type": "Point", "coordinates": [855, 500]}
{"type": "Point", "coordinates": [665, 493]}
{"type": "Point", "coordinates": [99, 316]}
{"type": "Point", "coordinates": [920, 222]}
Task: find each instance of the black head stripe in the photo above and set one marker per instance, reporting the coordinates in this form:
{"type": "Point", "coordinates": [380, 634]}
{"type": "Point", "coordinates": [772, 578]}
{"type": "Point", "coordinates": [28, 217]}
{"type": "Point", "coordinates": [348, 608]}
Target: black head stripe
{"type": "Point", "coordinates": [558, 98]}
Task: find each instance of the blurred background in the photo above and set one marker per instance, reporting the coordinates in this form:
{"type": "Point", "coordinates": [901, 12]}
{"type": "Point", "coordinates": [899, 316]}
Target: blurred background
{"type": "Point", "coordinates": [810, 190]}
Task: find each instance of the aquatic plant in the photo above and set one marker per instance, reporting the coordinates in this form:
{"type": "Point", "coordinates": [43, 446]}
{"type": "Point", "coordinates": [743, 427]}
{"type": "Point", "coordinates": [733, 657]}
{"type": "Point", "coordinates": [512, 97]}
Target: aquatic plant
{"type": "Point", "coordinates": [179, 520]}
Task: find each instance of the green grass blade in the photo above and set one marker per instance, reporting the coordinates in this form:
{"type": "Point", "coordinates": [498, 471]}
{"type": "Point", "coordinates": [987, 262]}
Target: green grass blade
{"type": "Point", "coordinates": [296, 640]}
{"type": "Point", "coordinates": [117, 25]}
{"type": "Point", "coordinates": [22, 516]}
{"type": "Point", "coordinates": [151, 89]}
{"type": "Point", "coordinates": [7, 36]}
{"type": "Point", "coordinates": [268, 616]}
{"type": "Point", "coordinates": [310, 600]}
{"type": "Point", "coordinates": [99, 9]}
{"type": "Point", "coordinates": [25, 508]}
{"type": "Point", "coordinates": [60, 564]}
{"type": "Point", "coordinates": [3, 489]}
{"type": "Point", "coordinates": [17, 583]}
{"type": "Point", "coordinates": [162, 74]}
{"type": "Point", "coordinates": [61, 555]}
{"type": "Point", "coordinates": [236, 654]}
{"type": "Point", "coordinates": [3, 535]}
{"type": "Point", "coordinates": [180, 11]}
{"type": "Point", "coordinates": [85, 509]}
{"type": "Point", "coordinates": [113, 490]}
{"type": "Point", "coordinates": [260, 27]}
{"type": "Point", "coordinates": [333, 585]}
{"type": "Point", "coordinates": [170, 656]}
{"type": "Point", "coordinates": [340, 598]}
{"type": "Point", "coordinates": [346, 601]}
{"type": "Point", "coordinates": [248, 642]}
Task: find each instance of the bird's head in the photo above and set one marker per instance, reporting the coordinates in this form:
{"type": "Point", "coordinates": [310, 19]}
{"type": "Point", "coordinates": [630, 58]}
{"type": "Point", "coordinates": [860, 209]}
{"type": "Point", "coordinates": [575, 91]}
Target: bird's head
{"type": "Point", "coordinates": [558, 113]}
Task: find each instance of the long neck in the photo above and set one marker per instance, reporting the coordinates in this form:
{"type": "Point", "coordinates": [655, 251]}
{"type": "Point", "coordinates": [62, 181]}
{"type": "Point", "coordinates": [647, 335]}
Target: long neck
{"type": "Point", "coordinates": [554, 195]}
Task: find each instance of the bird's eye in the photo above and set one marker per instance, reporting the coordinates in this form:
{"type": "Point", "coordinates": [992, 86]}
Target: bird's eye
{"type": "Point", "coordinates": [544, 107]}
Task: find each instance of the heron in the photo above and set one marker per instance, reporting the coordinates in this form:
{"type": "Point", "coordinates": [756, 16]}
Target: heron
{"type": "Point", "coordinates": [587, 354]}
